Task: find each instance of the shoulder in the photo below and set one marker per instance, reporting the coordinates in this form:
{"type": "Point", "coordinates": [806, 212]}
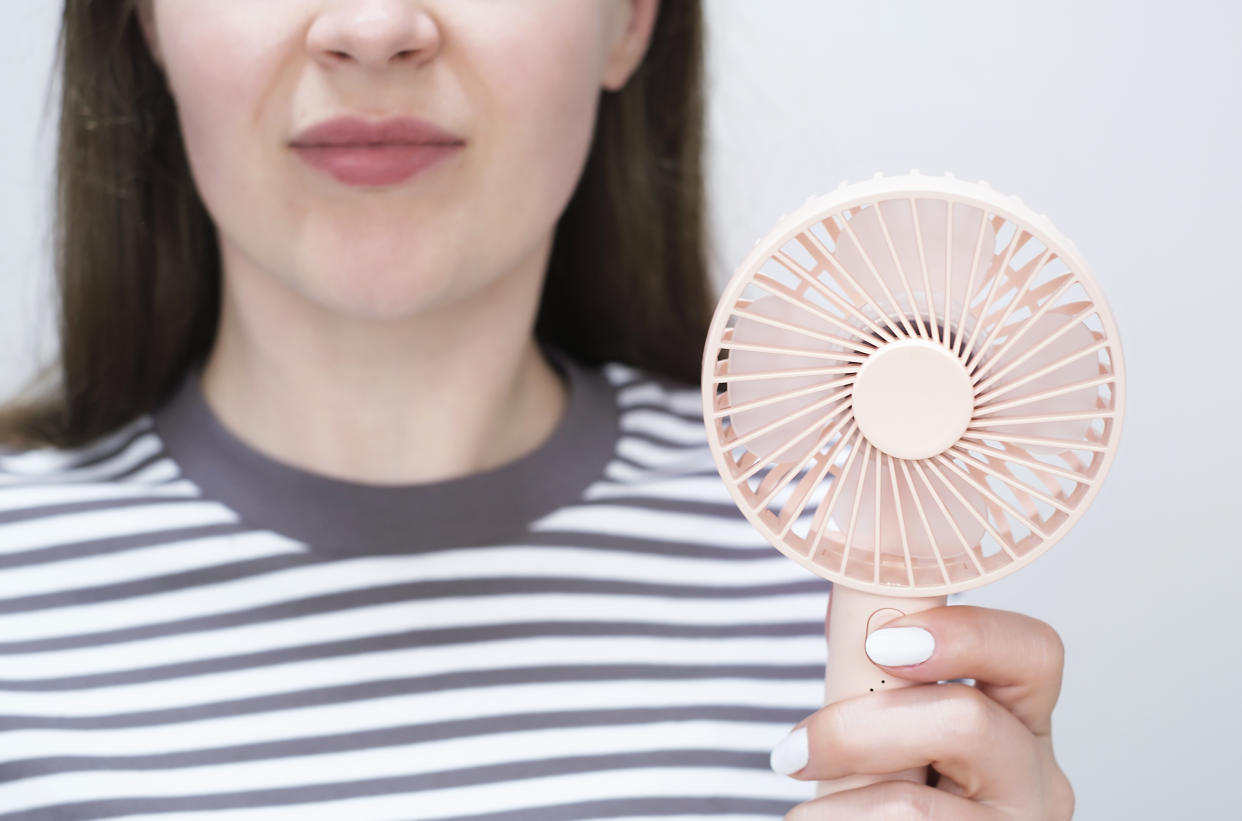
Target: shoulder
{"type": "Point", "coordinates": [69, 494]}
{"type": "Point", "coordinates": [658, 403]}
{"type": "Point", "coordinates": [114, 455]}
{"type": "Point", "coordinates": [657, 409]}
{"type": "Point", "coordinates": [660, 432]}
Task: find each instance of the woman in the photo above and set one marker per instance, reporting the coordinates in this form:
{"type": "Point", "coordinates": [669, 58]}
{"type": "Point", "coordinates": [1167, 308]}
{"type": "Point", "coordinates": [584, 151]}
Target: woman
{"type": "Point", "coordinates": [376, 486]}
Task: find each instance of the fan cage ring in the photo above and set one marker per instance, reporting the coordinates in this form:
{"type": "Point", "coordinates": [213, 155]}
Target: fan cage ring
{"type": "Point", "coordinates": [990, 503]}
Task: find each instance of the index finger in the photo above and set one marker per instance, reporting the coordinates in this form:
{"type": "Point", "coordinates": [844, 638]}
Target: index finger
{"type": "Point", "coordinates": [1014, 659]}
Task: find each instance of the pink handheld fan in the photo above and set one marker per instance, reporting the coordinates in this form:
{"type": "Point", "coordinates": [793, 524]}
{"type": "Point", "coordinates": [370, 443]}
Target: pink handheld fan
{"type": "Point", "coordinates": [912, 386]}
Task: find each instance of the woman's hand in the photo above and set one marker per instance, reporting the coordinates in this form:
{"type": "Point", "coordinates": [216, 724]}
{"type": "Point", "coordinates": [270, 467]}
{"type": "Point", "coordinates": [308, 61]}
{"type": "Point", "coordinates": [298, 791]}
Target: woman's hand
{"type": "Point", "coordinates": [989, 746]}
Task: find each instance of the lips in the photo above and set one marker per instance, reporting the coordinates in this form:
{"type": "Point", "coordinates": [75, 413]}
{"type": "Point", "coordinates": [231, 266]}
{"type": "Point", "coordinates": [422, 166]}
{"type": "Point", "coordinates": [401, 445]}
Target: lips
{"type": "Point", "coordinates": [363, 153]}
{"type": "Point", "coordinates": [355, 131]}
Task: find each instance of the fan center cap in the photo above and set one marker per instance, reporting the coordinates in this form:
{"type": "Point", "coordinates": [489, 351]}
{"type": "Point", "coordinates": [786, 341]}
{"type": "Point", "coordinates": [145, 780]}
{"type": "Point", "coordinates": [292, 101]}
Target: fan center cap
{"type": "Point", "coordinates": [913, 398]}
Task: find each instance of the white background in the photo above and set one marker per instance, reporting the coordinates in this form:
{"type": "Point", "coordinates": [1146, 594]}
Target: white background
{"type": "Point", "coordinates": [1121, 122]}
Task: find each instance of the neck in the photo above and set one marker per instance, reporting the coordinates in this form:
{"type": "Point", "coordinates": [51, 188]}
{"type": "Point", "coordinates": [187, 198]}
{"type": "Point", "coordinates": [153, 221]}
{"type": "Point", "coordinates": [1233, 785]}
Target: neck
{"type": "Point", "coordinates": [458, 388]}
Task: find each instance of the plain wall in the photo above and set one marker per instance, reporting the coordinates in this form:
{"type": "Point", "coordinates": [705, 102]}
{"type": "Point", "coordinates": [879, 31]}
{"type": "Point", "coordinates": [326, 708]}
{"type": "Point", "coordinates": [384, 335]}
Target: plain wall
{"type": "Point", "coordinates": [27, 152]}
{"type": "Point", "coordinates": [1121, 122]}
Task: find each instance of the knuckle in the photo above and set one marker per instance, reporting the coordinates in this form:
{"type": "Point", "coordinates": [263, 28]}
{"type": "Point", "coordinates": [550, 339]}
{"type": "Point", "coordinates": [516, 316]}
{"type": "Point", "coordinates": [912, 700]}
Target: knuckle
{"type": "Point", "coordinates": [806, 811]}
{"type": "Point", "coordinates": [1062, 801]}
{"type": "Point", "coordinates": [885, 801]}
{"type": "Point", "coordinates": [905, 801]}
{"type": "Point", "coordinates": [1053, 651]}
{"type": "Point", "coordinates": [839, 725]}
{"type": "Point", "coordinates": [973, 629]}
{"type": "Point", "coordinates": [967, 713]}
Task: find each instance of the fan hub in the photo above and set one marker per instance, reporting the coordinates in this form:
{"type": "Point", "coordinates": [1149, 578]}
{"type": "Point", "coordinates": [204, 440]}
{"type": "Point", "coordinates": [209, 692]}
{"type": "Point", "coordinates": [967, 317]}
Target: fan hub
{"type": "Point", "coordinates": [913, 398]}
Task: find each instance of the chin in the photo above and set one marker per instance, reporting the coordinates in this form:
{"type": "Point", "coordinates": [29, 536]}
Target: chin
{"type": "Point", "coordinates": [383, 297]}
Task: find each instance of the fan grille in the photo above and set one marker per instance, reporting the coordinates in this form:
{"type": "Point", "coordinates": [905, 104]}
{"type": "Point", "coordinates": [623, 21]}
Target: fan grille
{"type": "Point", "coordinates": [992, 287]}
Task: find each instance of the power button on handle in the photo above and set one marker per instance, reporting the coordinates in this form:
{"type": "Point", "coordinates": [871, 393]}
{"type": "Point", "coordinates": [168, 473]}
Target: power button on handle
{"type": "Point", "coordinates": [882, 617]}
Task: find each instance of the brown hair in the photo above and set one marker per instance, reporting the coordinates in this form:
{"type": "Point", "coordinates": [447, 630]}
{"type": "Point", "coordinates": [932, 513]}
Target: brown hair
{"type": "Point", "coordinates": [137, 264]}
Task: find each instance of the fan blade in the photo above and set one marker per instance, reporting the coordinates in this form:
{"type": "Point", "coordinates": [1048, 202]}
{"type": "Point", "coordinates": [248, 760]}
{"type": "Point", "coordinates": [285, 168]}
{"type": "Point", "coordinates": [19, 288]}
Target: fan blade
{"type": "Point", "coordinates": [944, 538]}
{"type": "Point", "coordinates": [898, 218]}
{"type": "Point", "coordinates": [741, 362]}
{"type": "Point", "coordinates": [1077, 369]}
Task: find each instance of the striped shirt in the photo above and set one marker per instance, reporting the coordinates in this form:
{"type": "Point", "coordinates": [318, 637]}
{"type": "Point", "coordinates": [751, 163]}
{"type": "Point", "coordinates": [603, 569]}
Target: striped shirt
{"type": "Point", "coordinates": [190, 629]}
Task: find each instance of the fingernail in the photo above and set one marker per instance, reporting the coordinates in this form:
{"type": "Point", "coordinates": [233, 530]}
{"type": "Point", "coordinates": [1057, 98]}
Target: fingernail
{"type": "Point", "coordinates": [792, 753]}
{"type": "Point", "coordinates": [899, 646]}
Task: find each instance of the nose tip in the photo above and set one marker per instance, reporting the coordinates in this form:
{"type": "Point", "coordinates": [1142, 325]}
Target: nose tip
{"type": "Point", "coordinates": [374, 35]}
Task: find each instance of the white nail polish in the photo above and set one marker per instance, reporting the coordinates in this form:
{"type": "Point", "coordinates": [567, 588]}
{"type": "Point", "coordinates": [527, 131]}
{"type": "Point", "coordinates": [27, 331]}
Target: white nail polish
{"type": "Point", "coordinates": [899, 646]}
{"type": "Point", "coordinates": [792, 753]}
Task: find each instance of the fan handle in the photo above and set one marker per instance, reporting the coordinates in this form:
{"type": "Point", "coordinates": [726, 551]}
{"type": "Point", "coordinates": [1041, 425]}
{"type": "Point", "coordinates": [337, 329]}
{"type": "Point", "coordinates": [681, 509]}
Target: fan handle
{"type": "Point", "coordinates": [852, 615]}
